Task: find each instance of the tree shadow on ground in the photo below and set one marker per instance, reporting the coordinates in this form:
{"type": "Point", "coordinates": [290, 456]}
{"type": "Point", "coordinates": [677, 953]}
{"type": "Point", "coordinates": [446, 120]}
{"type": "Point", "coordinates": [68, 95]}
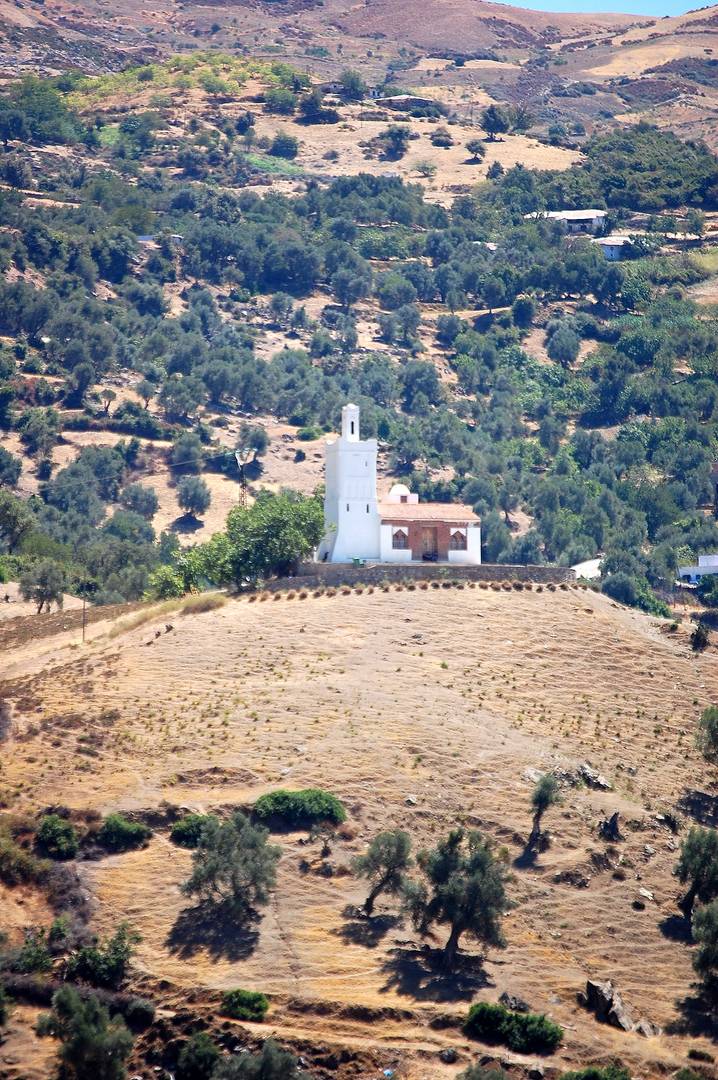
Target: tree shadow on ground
{"type": "Point", "coordinates": [527, 859]}
{"type": "Point", "coordinates": [185, 523]}
{"type": "Point", "coordinates": [676, 928]}
{"type": "Point", "coordinates": [699, 805]}
{"type": "Point", "coordinates": [369, 931]}
{"type": "Point", "coordinates": [419, 974]}
{"type": "Point", "coordinates": [698, 1015]}
{"type": "Point", "coordinates": [215, 928]}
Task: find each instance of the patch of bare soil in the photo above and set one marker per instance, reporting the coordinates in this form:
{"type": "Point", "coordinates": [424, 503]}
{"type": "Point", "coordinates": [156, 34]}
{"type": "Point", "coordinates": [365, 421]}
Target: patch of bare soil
{"type": "Point", "coordinates": [420, 709]}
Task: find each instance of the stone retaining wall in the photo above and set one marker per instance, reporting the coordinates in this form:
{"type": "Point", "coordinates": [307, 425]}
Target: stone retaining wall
{"type": "Point", "coordinates": [313, 574]}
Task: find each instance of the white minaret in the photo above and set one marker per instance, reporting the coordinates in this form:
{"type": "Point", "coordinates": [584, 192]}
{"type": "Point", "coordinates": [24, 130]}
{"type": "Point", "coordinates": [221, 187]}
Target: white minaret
{"type": "Point", "coordinates": [351, 512]}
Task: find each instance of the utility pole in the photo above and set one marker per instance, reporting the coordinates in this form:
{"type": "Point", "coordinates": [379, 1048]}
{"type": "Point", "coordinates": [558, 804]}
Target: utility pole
{"type": "Point", "coordinates": [242, 458]}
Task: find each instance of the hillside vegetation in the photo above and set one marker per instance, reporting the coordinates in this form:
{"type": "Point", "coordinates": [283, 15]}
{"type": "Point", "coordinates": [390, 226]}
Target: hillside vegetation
{"type": "Point", "coordinates": [498, 362]}
{"type": "Point", "coordinates": [408, 706]}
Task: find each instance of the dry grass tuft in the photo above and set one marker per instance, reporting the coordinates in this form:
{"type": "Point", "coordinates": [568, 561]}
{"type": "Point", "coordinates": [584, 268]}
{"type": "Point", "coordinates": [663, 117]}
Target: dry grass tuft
{"type": "Point", "coordinates": [277, 596]}
{"type": "Point", "coordinates": [197, 603]}
{"type": "Point", "coordinates": [291, 594]}
{"type": "Point", "coordinates": [145, 615]}
{"type": "Point", "coordinates": [303, 594]}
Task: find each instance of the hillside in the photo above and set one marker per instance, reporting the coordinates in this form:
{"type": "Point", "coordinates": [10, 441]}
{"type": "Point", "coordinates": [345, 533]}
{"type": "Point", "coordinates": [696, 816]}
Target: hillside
{"type": "Point", "coordinates": [419, 709]}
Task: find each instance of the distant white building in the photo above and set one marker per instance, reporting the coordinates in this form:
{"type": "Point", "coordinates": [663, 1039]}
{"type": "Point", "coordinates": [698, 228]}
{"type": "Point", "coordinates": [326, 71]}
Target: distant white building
{"type": "Point", "coordinates": [613, 247]}
{"type": "Point", "coordinates": [707, 565]}
{"type": "Point", "coordinates": [576, 221]}
{"type": "Point", "coordinates": [589, 570]}
{"type": "Point", "coordinates": [397, 529]}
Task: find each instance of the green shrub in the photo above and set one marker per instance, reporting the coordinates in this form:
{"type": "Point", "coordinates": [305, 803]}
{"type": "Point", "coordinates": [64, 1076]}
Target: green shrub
{"type": "Point", "coordinates": [119, 834]}
{"type": "Point", "coordinates": [298, 809]}
{"type": "Point", "coordinates": [139, 1013]}
{"type": "Point", "coordinates": [187, 831]}
{"type": "Point", "coordinates": [57, 837]}
{"type": "Point", "coordinates": [4, 1006]}
{"type": "Point", "coordinates": [526, 1033]}
{"type": "Point", "coordinates": [198, 1058]}
{"type": "Point", "coordinates": [244, 1005]}
{"type": "Point", "coordinates": [105, 963]}
{"type": "Point", "coordinates": [18, 866]}
{"type": "Point", "coordinates": [34, 954]}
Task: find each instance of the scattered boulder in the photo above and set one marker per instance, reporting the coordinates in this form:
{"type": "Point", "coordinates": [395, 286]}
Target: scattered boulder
{"type": "Point", "coordinates": [647, 1029]}
{"type": "Point", "coordinates": [513, 1002]}
{"type": "Point", "coordinates": [593, 778]}
{"type": "Point", "coordinates": [575, 877]}
{"type": "Point", "coordinates": [608, 828]}
{"type": "Point", "coordinates": [605, 1001]}
{"type": "Point", "coordinates": [448, 1055]}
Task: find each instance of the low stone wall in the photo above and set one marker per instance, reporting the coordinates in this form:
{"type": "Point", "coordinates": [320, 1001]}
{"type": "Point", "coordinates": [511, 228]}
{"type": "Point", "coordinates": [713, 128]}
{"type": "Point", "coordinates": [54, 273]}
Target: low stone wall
{"type": "Point", "coordinates": [312, 575]}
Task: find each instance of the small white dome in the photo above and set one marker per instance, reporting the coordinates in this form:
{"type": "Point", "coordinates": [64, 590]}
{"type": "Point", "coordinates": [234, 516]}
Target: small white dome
{"type": "Point", "coordinates": [399, 489]}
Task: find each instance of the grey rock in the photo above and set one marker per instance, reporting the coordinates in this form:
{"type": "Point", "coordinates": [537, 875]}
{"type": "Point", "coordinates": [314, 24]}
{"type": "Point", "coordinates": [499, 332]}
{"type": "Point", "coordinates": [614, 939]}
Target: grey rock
{"type": "Point", "coordinates": [647, 1029]}
{"type": "Point", "coordinates": [608, 828]}
{"type": "Point", "coordinates": [602, 999]}
{"type": "Point", "coordinates": [535, 1072]}
{"type": "Point", "coordinates": [448, 1055]}
{"type": "Point", "coordinates": [511, 1001]}
{"type": "Point", "coordinates": [410, 800]}
{"type": "Point", "coordinates": [593, 778]}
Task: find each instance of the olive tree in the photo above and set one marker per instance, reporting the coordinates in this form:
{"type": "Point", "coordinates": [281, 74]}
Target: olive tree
{"type": "Point", "coordinates": [271, 1063]}
{"type": "Point", "coordinates": [463, 888]}
{"type": "Point", "coordinates": [44, 584]}
{"type": "Point", "coordinates": [92, 1046]}
{"type": "Point", "coordinates": [697, 867]}
{"type": "Point", "coordinates": [233, 864]}
{"type": "Point", "coordinates": [545, 794]}
{"type": "Point", "coordinates": [707, 734]}
{"type": "Point", "coordinates": [705, 957]}
{"type": "Point", "coordinates": [384, 863]}
{"type": "Point", "coordinates": [193, 495]}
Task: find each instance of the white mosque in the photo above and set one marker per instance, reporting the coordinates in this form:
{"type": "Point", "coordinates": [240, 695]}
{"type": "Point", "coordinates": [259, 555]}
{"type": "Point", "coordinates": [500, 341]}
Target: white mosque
{"type": "Point", "coordinates": [397, 529]}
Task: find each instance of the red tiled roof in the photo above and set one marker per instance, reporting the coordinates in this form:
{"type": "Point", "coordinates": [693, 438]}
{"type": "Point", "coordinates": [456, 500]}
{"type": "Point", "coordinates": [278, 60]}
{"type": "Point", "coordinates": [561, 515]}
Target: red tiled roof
{"type": "Point", "coordinates": [455, 512]}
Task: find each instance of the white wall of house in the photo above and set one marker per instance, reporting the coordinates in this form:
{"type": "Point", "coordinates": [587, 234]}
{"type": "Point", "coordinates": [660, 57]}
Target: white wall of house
{"type": "Point", "coordinates": [472, 555]}
{"type": "Point", "coordinates": [388, 553]}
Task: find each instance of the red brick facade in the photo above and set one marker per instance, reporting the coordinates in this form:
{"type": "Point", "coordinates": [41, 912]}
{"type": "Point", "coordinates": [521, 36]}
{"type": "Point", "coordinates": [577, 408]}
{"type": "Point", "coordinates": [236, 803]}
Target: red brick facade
{"type": "Point", "coordinates": [416, 529]}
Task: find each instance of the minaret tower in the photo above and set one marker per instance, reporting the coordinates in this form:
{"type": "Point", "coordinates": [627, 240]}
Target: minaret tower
{"type": "Point", "coordinates": [350, 504]}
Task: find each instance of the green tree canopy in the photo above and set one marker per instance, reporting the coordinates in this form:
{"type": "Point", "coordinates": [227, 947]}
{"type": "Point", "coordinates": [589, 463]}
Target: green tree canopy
{"type": "Point", "coordinates": [463, 888]}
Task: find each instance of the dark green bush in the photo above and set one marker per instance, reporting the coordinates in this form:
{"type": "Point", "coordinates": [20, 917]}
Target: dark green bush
{"type": "Point", "coordinates": [139, 1013]}
{"type": "Point", "coordinates": [4, 1006]}
{"type": "Point", "coordinates": [18, 866]}
{"type": "Point", "coordinates": [244, 1005]}
{"type": "Point", "coordinates": [298, 809]}
{"type": "Point", "coordinates": [198, 1058]}
{"type": "Point", "coordinates": [526, 1033]}
{"type": "Point", "coordinates": [57, 837]}
{"type": "Point", "coordinates": [105, 963]}
{"type": "Point", "coordinates": [119, 834]}
{"type": "Point", "coordinates": [599, 1072]}
{"type": "Point", "coordinates": [187, 831]}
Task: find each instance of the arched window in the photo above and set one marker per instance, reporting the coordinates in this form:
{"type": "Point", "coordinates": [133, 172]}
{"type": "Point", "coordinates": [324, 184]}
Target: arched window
{"type": "Point", "coordinates": [400, 540]}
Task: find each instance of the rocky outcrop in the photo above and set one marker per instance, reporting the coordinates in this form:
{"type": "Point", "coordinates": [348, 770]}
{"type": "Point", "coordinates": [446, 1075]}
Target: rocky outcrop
{"type": "Point", "coordinates": [605, 1001]}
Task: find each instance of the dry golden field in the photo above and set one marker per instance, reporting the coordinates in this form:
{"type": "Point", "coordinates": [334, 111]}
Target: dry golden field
{"type": "Point", "coordinates": [420, 708]}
